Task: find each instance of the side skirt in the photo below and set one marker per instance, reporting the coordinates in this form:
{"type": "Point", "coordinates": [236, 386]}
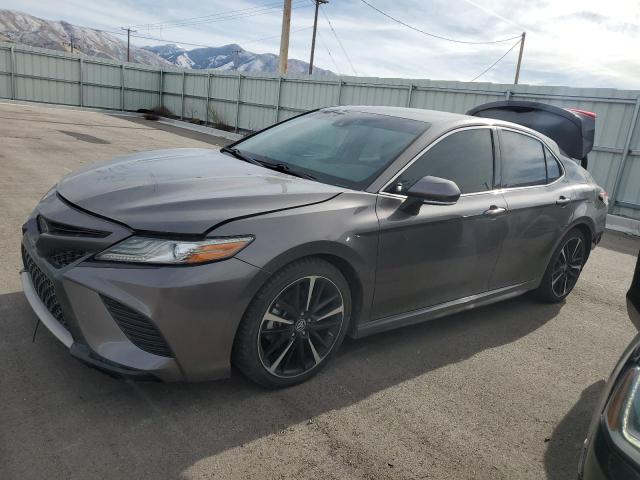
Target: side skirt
{"type": "Point", "coordinates": [442, 309]}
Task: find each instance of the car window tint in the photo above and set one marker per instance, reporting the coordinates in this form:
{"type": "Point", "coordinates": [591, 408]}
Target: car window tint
{"type": "Point", "coordinates": [345, 148]}
{"type": "Point", "coordinates": [523, 162]}
{"type": "Point", "coordinates": [553, 169]}
{"type": "Point", "coordinates": [464, 157]}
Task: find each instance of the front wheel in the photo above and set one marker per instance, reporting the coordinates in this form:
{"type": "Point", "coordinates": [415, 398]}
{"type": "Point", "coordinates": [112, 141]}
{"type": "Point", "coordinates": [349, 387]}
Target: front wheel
{"type": "Point", "coordinates": [564, 268]}
{"type": "Point", "coordinates": [294, 324]}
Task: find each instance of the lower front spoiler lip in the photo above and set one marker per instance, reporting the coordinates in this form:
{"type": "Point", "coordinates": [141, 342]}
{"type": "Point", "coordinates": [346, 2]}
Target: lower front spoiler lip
{"type": "Point", "coordinates": [93, 360]}
{"type": "Point", "coordinates": [77, 350]}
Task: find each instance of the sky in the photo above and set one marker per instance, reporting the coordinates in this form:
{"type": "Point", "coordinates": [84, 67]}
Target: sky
{"type": "Point", "coordinates": [580, 43]}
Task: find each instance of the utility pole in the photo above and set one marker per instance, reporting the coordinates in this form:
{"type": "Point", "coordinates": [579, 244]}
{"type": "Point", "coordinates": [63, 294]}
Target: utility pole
{"type": "Point", "coordinates": [284, 38]}
{"type": "Point", "coordinates": [235, 61]}
{"type": "Point", "coordinates": [313, 38]}
{"type": "Point", "coordinates": [129, 42]}
{"type": "Point", "coordinates": [70, 43]}
{"type": "Point", "coordinates": [524, 35]}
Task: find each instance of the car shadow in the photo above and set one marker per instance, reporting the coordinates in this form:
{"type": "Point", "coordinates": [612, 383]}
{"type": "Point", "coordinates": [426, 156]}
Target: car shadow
{"type": "Point", "coordinates": [51, 399]}
{"type": "Point", "coordinates": [565, 444]}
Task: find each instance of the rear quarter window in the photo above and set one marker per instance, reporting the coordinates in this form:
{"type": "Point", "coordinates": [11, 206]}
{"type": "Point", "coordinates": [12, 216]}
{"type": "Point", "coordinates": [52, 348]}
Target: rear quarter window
{"type": "Point", "coordinates": [523, 160]}
{"type": "Point", "coordinates": [553, 167]}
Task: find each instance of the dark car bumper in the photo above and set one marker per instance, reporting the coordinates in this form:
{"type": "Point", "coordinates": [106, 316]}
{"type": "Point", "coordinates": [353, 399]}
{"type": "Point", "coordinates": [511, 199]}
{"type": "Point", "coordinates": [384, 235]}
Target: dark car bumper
{"type": "Point", "coordinates": [169, 323]}
{"type": "Point", "coordinates": [602, 460]}
{"type": "Point", "coordinates": [605, 455]}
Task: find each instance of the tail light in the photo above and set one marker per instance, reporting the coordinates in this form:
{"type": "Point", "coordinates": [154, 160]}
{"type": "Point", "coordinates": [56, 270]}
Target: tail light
{"type": "Point", "coordinates": [582, 112]}
{"type": "Point", "coordinates": [603, 197]}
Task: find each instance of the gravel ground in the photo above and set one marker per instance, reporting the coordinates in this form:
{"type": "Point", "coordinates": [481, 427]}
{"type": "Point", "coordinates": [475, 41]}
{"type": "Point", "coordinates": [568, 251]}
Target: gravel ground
{"type": "Point", "coordinates": [502, 392]}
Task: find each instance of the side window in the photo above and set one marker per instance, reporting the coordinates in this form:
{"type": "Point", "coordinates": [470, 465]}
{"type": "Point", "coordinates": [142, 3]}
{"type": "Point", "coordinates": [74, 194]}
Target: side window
{"type": "Point", "coordinates": [523, 162]}
{"type": "Point", "coordinates": [465, 157]}
{"type": "Point", "coordinates": [553, 169]}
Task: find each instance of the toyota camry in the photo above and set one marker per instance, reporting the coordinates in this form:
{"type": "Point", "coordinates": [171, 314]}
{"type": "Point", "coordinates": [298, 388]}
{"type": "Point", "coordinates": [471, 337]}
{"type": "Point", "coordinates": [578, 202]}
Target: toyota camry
{"type": "Point", "coordinates": [177, 264]}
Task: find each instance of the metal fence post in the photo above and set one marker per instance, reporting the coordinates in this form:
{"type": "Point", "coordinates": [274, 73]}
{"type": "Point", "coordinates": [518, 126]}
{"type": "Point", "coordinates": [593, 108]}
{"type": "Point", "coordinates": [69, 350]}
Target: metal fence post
{"type": "Point", "coordinates": [206, 109]}
{"type": "Point", "coordinates": [238, 102]}
{"type": "Point", "coordinates": [122, 87]}
{"type": "Point", "coordinates": [81, 83]}
{"type": "Point", "coordinates": [182, 98]}
{"type": "Point", "coordinates": [625, 155]}
{"type": "Point", "coordinates": [409, 94]}
{"type": "Point", "coordinates": [339, 91]}
{"type": "Point", "coordinates": [280, 80]}
{"type": "Point", "coordinates": [160, 87]}
{"type": "Point", "coordinates": [12, 60]}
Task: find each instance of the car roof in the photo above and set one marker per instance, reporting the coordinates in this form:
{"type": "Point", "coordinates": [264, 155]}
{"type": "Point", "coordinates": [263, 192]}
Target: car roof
{"type": "Point", "coordinates": [441, 122]}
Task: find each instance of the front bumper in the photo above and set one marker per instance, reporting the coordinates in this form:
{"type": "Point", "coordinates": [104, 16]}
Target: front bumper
{"type": "Point", "coordinates": [600, 458]}
{"type": "Point", "coordinates": [195, 309]}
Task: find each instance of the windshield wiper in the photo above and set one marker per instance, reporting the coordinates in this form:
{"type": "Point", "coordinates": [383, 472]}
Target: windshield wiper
{"type": "Point", "coordinates": [278, 167]}
{"type": "Point", "coordinates": [284, 168]}
{"type": "Point", "coordinates": [241, 156]}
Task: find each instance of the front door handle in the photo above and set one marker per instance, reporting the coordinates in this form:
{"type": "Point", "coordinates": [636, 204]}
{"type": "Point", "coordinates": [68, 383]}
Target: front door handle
{"type": "Point", "coordinates": [563, 201]}
{"type": "Point", "coordinates": [494, 211]}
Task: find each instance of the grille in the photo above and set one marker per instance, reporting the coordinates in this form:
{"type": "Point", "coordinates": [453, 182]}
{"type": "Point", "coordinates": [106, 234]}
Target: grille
{"type": "Point", "coordinates": [65, 257]}
{"type": "Point", "coordinates": [44, 288]}
{"type": "Point", "coordinates": [55, 228]}
{"type": "Point", "coordinates": [138, 328]}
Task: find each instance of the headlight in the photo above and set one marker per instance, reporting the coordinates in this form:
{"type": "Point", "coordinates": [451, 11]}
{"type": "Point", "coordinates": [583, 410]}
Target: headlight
{"type": "Point", "coordinates": [174, 252]}
{"type": "Point", "coordinates": [622, 413]}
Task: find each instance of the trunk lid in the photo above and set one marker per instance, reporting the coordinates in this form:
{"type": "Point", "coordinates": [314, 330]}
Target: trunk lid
{"type": "Point", "coordinates": [573, 130]}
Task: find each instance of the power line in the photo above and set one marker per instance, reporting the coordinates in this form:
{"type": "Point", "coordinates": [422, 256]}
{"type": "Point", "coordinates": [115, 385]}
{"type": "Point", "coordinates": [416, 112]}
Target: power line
{"type": "Point", "coordinates": [329, 52]}
{"type": "Point", "coordinates": [200, 17]}
{"type": "Point", "coordinates": [433, 34]}
{"type": "Point", "coordinates": [147, 37]}
{"type": "Point", "coordinates": [339, 42]}
{"type": "Point", "coordinates": [233, 15]}
{"type": "Point", "coordinates": [497, 61]}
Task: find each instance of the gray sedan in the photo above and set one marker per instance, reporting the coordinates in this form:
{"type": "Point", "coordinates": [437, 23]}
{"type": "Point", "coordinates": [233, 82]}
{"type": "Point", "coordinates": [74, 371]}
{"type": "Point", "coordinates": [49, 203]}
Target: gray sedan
{"type": "Point", "coordinates": [178, 264]}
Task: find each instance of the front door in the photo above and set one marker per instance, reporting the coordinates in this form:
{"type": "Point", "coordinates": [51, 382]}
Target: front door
{"type": "Point", "coordinates": [442, 253]}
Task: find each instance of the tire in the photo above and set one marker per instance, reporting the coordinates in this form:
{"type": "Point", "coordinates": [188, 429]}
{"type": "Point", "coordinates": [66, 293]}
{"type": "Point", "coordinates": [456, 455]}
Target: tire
{"type": "Point", "coordinates": [286, 335]}
{"type": "Point", "coordinates": [561, 277]}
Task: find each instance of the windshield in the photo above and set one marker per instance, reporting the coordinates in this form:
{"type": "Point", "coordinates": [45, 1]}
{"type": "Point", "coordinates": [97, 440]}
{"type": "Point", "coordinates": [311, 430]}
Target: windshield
{"type": "Point", "coordinates": [338, 147]}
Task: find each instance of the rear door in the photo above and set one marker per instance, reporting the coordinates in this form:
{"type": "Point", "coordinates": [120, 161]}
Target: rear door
{"type": "Point", "coordinates": [539, 203]}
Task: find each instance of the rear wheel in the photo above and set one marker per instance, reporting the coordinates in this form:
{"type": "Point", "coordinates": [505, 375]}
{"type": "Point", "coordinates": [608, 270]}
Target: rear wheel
{"type": "Point", "coordinates": [564, 268]}
{"type": "Point", "coordinates": [294, 325]}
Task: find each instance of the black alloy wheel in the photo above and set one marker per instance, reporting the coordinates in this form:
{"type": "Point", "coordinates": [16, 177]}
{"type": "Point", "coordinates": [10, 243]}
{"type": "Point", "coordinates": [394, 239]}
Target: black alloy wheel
{"type": "Point", "coordinates": [300, 326]}
{"type": "Point", "coordinates": [564, 268]}
{"type": "Point", "coordinates": [568, 267]}
{"type": "Point", "coordinates": [294, 324]}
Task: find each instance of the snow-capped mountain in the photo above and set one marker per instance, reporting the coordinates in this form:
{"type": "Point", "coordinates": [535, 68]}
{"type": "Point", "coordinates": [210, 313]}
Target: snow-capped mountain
{"type": "Point", "coordinates": [230, 57]}
{"type": "Point", "coordinates": [22, 28]}
{"type": "Point", "coordinates": [59, 35]}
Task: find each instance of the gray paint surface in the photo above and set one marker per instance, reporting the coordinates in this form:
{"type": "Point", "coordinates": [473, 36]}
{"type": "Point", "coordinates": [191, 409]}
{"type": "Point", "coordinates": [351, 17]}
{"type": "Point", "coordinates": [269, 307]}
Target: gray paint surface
{"type": "Point", "coordinates": [252, 102]}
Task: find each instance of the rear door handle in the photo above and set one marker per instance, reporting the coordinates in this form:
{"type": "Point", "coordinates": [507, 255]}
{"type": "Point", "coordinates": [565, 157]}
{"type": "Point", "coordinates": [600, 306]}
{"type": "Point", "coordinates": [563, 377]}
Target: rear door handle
{"type": "Point", "coordinates": [494, 211]}
{"type": "Point", "coordinates": [563, 201]}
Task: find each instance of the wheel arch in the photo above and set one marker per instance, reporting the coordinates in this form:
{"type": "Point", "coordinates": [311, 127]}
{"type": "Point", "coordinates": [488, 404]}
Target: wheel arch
{"type": "Point", "coordinates": [359, 273]}
{"type": "Point", "coordinates": [587, 227]}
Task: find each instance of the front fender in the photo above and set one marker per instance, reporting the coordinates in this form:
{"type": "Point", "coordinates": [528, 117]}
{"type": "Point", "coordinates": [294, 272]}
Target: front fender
{"type": "Point", "coordinates": [345, 228]}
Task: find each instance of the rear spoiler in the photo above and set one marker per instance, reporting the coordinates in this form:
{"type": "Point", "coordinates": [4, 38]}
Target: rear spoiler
{"type": "Point", "coordinates": [572, 129]}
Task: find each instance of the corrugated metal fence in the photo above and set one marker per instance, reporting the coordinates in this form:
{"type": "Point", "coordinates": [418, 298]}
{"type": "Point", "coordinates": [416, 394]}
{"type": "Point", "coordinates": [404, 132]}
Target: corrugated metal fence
{"type": "Point", "coordinates": [251, 102]}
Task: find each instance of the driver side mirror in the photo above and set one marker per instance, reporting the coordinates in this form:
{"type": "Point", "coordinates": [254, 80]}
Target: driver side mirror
{"type": "Point", "coordinates": [431, 190]}
{"type": "Point", "coordinates": [435, 191]}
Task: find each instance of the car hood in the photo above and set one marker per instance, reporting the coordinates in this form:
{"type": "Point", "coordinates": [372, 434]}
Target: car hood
{"type": "Point", "coordinates": [185, 191]}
